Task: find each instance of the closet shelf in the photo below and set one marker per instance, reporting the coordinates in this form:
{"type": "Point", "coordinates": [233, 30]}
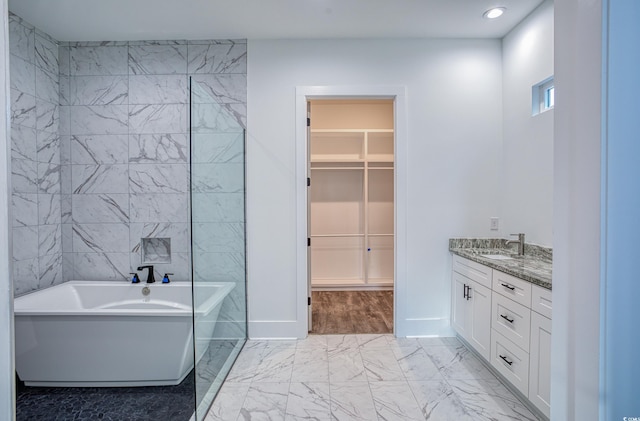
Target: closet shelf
{"type": "Point", "coordinates": [338, 131]}
{"type": "Point", "coordinates": [343, 200]}
{"type": "Point", "coordinates": [380, 158]}
{"type": "Point", "coordinates": [335, 158]}
{"type": "Point", "coordinates": [335, 235]}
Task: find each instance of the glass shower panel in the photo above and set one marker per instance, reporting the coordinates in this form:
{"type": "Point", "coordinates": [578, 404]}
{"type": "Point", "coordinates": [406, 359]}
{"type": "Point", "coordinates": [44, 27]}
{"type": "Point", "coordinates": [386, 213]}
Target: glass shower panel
{"type": "Point", "coordinates": [217, 148]}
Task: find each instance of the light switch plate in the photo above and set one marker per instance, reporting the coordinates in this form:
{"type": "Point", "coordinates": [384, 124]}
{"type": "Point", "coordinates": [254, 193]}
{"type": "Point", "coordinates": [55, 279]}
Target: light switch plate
{"type": "Point", "coordinates": [494, 223]}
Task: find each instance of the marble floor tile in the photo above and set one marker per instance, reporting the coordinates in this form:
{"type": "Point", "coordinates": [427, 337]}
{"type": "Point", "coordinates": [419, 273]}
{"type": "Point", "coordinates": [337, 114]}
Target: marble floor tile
{"type": "Point", "coordinates": [276, 365]}
{"type": "Point", "coordinates": [457, 362]}
{"type": "Point", "coordinates": [264, 344]}
{"type": "Point", "coordinates": [426, 342]}
{"type": "Point", "coordinates": [228, 403]}
{"type": "Point", "coordinates": [394, 401]}
{"type": "Point", "coordinates": [308, 401]}
{"type": "Point", "coordinates": [373, 341]}
{"type": "Point", "coordinates": [416, 364]}
{"type": "Point", "coordinates": [245, 367]}
{"type": "Point", "coordinates": [345, 365]}
{"type": "Point", "coordinates": [403, 343]}
{"type": "Point", "coordinates": [381, 365]}
{"type": "Point", "coordinates": [352, 402]}
{"type": "Point", "coordinates": [313, 341]}
{"type": "Point", "coordinates": [311, 365]}
{"type": "Point", "coordinates": [265, 402]}
{"type": "Point", "coordinates": [363, 377]}
{"type": "Point", "coordinates": [438, 402]}
{"type": "Point", "coordinates": [489, 400]}
{"type": "Point", "coordinates": [342, 341]}
{"type": "Point", "coordinates": [521, 411]}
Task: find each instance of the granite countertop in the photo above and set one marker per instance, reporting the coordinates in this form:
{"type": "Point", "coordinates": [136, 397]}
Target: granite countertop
{"type": "Point", "coordinates": [534, 266]}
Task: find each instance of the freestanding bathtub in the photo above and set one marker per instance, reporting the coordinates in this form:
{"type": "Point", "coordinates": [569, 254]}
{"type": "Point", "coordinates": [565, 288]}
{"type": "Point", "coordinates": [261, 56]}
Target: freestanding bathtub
{"type": "Point", "coordinates": [88, 333]}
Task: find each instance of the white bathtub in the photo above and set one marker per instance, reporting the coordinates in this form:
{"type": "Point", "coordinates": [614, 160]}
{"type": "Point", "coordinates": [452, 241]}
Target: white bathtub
{"type": "Point", "coordinates": [87, 333]}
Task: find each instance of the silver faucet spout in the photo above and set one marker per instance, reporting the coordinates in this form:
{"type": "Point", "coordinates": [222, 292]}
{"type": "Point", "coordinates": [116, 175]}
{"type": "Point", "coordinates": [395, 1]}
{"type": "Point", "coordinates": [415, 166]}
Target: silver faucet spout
{"type": "Point", "coordinates": [519, 242]}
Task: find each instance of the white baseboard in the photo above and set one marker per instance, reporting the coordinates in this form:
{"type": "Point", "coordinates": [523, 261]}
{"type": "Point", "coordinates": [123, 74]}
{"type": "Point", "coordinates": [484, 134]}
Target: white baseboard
{"type": "Point", "coordinates": [291, 329]}
{"type": "Point", "coordinates": [287, 329]}
{"type": "Point", "coordinates": [439, 327]}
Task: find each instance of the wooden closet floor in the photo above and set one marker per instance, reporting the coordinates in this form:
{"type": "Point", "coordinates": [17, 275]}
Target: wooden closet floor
{"type": "Point", "coordinates": [345, 312]}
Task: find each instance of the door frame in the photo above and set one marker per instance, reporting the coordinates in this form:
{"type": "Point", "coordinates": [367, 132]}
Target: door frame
{"type": "Point", "coordinates": [399, 97]}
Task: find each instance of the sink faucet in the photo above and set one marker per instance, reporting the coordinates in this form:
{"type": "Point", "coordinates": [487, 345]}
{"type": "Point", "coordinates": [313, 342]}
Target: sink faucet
{"type": "Point", "coordinates": [519, 242]}
{"type": "Point", "coordinates": [150, 277]}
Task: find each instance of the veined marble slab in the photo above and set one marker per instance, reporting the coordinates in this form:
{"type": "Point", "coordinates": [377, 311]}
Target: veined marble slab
{"type": "Point", "coordinates": [535, 266]}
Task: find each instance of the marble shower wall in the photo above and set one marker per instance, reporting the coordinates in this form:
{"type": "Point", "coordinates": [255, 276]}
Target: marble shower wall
{"type": "Point", "coordinates": [124, 116]}
{"type": "Point", "coordinates": [35, 158]}
{"type": "Point", "coordinates": [100, 159]}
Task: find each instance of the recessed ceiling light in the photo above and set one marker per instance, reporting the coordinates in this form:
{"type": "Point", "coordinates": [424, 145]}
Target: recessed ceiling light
{"type": "Point", "coordinates": [493, 13]}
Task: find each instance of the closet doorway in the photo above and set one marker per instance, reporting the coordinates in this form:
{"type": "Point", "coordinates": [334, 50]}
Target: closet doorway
{"type": "Point", "coordinates": [351, 215]}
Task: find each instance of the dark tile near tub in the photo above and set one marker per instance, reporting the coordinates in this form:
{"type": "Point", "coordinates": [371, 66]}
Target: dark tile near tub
{"type": "Point", "coordinates": [171, 403]}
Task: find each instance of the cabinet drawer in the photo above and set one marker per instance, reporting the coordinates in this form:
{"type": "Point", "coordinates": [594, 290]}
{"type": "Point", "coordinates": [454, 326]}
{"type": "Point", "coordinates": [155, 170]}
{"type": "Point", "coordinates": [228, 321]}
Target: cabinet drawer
{"type": "Point", "coordinates": [512, 287]}
{"type": "Point", "coordinates": [511, 319]}
{"type": "Point", "coordinates": [472, 270]}
{"type": "Point", "coordinates": [511, 361]}
{"type": "Point", "coordinates": [541, 300]}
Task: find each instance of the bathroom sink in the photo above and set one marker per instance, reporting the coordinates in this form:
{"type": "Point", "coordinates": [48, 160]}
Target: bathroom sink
{"type": "Point", "coordinates": [497, 256]}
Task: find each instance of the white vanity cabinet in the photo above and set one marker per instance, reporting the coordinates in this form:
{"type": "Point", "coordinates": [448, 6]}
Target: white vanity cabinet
{"type": "Point", "coordinates": [540, 350]}
{"type": "Point", "coordinates": [511, 333]}
{"type": "Point", "coordinates": [507, 320]}
{"type": "Point", "coordinates": [471, 314]}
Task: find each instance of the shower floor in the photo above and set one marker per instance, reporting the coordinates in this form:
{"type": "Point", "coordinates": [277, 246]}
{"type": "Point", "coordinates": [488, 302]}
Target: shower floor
{"type": "Point", "coordinates": [152, 403]}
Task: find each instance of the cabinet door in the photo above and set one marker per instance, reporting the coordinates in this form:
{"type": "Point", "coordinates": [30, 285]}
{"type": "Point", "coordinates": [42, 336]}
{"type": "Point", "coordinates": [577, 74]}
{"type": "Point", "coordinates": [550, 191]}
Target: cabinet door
{"type": "Point", "coordinates": [479, 319]}
{"type": "Point", "coordinates": [459, 303]}
{"type": "Point", "coordinates": [540, 368]}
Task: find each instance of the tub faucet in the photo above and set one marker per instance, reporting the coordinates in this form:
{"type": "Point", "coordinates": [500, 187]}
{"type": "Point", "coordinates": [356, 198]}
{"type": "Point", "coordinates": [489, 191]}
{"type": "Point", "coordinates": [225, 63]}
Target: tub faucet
{"type": "Point", "coordinates": [150, 278]}
{"type": "Point", "coordinates": [519, 242]}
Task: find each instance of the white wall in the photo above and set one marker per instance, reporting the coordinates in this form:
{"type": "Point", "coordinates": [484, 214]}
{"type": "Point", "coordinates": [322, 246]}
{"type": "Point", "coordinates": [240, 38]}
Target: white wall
{"type": "Point", "coordinates": [454, 160]}
{"type": "Point", "coordinates": [527, 199]}
{"type": "Point", "coordinates": [620, 369]}
{"type": "Point", "coordinates": [576, 220]}
{"type": "Point", "coordinates": [7, 373]}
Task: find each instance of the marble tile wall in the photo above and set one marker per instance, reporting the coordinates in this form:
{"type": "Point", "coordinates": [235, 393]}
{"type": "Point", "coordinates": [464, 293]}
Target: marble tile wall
{"type": "Point", "coordinates": [124, 150]}
{"type": "Point", "coordinates": [35, 158]}
{"type": "Point", "coordinates": [100, 158]}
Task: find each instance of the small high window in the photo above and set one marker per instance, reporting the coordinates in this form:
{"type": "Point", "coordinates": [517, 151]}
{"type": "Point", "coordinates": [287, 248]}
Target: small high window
{"type": "Point", "coordinates": [542, 96]}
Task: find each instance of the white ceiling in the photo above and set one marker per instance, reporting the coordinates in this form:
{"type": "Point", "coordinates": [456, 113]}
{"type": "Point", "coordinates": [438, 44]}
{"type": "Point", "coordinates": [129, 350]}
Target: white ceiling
{"type": "Point", "coordinates": [117, 20]}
